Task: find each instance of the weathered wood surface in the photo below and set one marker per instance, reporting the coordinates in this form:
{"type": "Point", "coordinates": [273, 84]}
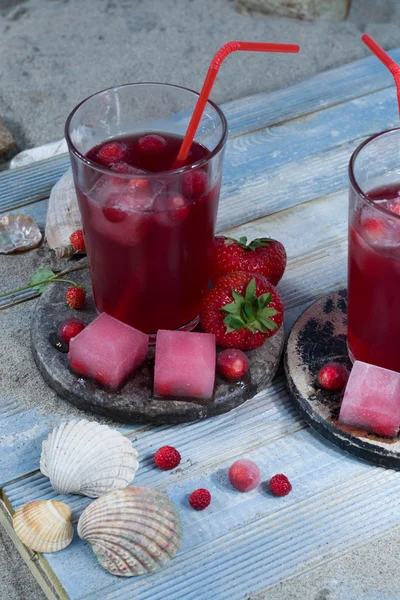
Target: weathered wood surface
{"type": "Point", "coordinates": [331, 10]}
{"type": "Point", "coordinates": [285, 176]}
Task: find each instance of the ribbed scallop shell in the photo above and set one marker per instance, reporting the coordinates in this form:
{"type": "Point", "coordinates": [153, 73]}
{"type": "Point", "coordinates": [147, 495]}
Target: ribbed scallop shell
{"type": "Point", "coordinates": [18, 233]}
{"type": "Point", "coordinates": [132, 531]}
{"type": "Point", "coordinates": [63, 216]}
{"type": "Point", "coordinates": [85, 457]}
{"type": "Point", "coordinates": [44, 525]}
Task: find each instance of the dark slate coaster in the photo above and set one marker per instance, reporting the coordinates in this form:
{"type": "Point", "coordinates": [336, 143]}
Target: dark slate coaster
{"type": "Point", "coordinates": [135, 402]}
{"type": "Point", "coordinates": [317, 337]}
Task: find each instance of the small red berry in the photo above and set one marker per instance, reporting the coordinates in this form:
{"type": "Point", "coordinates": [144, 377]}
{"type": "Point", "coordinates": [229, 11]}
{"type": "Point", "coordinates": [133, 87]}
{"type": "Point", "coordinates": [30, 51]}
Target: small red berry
{"type": "Point", "coordinates": [232, 364]}
{"type": "Point", "coordinates": [69, 329]}
{"type": "Point", "coordinates": [167, 458]}
{"type": "Point", "coordinates": [244, 475]}
{"type": "Point", "coordinates": [200, 499]}
{"type": "Point", "coordinates": [111, 153]}
{"type": "Point", "coordinates": [194, 184]}
{"type": "Point", "coordinates": [280, 485]}
{"type": "Point", "coordinates": [152, 143]}
{"type": "Point", "coordinates": [75, 297]}
{"type": "Point", "coordinates": [78, 241]}
{"type": "Point", "coordinates": [333, 377]}
{"type": "Point", "coordinates": [114, 210]}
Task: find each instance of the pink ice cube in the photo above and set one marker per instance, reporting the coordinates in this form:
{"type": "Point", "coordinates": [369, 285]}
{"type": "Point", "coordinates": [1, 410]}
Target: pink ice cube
{"type": "Point", "coordinates": [109, 351]}
{"type": "Point", "coordinates": [185, 365]}
{"type": "Point", "coordinates": [372, 400]}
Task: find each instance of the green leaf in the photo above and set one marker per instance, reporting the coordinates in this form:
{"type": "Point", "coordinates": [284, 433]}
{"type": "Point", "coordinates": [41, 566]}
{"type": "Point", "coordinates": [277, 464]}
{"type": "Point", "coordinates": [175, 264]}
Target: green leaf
{"type": "Point", "coordinates": [234, 322]}
{"type": "Point", "coordinates": [231, 308]}
{"type": "Point", "coordinates": [247, 310]}
{"type": "Point", "coordinates": [259, 243]}
{"type": "Point", "coordinates": [270, 312]}
{"type": "Point", "coordinates": [243, 242]}
{"type": "Point", "coordinates": [259, 325]}
{"type": "Point", "coordinates": [237, 297]}
{"type": "Point", "coordinates": [40, 279]}
{"type": "Point", "coordinates": [251, 290]}
{"type": "Point", "coordinates": [264, 300]}
{"type": "Point", "coordinates": [268, 323]}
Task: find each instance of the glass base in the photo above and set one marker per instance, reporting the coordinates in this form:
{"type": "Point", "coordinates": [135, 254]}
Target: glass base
{"type": "Point", "coordinates": [188, 327]}
{"type": "Point", "coordinates": [351, 355]}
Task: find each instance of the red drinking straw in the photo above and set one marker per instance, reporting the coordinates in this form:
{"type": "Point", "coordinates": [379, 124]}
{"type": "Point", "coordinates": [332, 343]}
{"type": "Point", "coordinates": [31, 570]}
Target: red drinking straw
{"type": "Point", "coordinates": [384, 57]}
{"type": "Point", "coordinates": [209, 82]}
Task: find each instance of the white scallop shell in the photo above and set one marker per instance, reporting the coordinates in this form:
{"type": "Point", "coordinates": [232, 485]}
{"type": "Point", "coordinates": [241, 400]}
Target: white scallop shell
{"type": "Point", "coordinates": [132, 531]}
{"type": "Point", "coordinates": [63, 216]}
{"type": "Point", "coordinates": [44, 525]}
{"type": "Point", "coordinates": [18, 233]}
{"type": "Point", "coordinates": [85, 457]}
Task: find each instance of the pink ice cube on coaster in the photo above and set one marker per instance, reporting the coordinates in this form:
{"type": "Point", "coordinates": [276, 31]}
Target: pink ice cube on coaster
{"type": "Point", "coordinates": [185, 365]}
{"type": "Point", "coordinates": [372, 400]}
{"type": "Point", "coordinates": [109, 351]}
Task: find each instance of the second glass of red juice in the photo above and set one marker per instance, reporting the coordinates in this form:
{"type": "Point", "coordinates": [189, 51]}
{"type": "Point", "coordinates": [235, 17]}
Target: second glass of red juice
{"type": "Point", "coordinates": [148, 227]}
{"type": "Point", "coordinates": [374, 252]}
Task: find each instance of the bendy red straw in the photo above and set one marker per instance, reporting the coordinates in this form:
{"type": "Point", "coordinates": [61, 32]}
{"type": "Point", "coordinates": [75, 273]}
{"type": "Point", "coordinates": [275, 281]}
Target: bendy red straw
{"type": "Point", "coordinates": [384, 57]}
{"type": "Point", "coordinates": [209, 82]}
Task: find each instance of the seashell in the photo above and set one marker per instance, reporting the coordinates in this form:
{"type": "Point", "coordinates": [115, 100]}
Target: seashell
{"type": "Point", "coordinates": [132, 531]}
{"type": "Point", "coordinates": [18, 233]}
{"type": "Point", "coordinates": [44, 525]}
{"type": "Point", "coordinates": [85, 457]}
{"type": "Point", "coordinates": [63, 216]}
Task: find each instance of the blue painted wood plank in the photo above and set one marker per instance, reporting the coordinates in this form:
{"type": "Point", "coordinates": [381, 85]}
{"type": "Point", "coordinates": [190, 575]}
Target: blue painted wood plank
{"type": "Point", "coordinates": [317, 263]}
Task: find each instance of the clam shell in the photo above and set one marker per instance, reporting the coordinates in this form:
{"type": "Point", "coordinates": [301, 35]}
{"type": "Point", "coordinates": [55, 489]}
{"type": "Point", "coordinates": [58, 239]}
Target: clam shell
{"type": "Point", "coordinates": [63, 216]}
{"type": "Point", "coordinates": [18, 233]}
{"type": "Point", "coordinates": [84, 457]}
{"type": "Point", "coordinates": [44, 525]}
{"type": "Point", "coordinates": [132, 531]}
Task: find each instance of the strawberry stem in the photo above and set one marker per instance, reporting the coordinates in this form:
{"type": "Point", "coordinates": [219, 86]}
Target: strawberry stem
{"type": "Point", "coordinates": [250, 312]}
{"type": "Point", "coordinates": [253, 245]}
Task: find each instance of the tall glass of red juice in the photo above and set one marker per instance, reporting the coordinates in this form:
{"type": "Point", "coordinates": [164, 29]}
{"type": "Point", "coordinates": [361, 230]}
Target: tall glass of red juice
{"type": "Point", "coordinates": [148, 227]}
{"type": "Point", "coordinates": [374, 251]}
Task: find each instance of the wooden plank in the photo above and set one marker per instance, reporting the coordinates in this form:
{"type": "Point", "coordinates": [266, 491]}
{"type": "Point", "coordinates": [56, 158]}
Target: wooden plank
{"type": "Point", "coordinates": [311, 271]}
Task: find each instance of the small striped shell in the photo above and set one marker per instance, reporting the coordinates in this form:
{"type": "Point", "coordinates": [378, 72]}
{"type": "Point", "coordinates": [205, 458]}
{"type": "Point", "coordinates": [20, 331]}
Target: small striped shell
{"type": "Point", "coordinates": [85, 457]}
{"type": "Point", "coordinates": [44, 525]}
{"type": "Point", "coordinates": [132, 531]}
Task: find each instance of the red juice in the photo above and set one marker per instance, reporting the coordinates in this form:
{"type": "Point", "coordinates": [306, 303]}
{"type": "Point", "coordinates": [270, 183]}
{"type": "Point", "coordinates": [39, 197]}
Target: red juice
{"type": "Point", "coordinates": [374, 280]}
{"type": "Point", "coordinates": [149, 238]}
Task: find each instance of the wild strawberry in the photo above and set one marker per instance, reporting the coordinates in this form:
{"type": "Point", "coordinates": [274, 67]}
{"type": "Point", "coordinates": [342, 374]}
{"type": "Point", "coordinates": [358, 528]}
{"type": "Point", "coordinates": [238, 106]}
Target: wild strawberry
{"type": "Point", "coordinates": [333, 376]}
{"type": "Point", "coordinates": [152, 143]}
{"type": "Point", "coordinates": [264, 256]}
{"type": "Point", "coordinates": [77, 240]}
{"type": "Point", "coordinates": [244, 475]}
{"type": "Point", "coordinates": [111, 153]}
{"type": "Point", "coordinates": [242, 310]}
{"type": "Point", "coordinates": [75, 297]}
{"type": "Point", "coordinates": [167, 458]}
{"type": "Point", "coordinates": [200, 499]}
{"type": "Point", "coordinates": [280, 485]}
{"type": "Point", "coordinates": [69, 329]}
{"type": "Point", "coordinates": [115, 209]}
{"type": "Point", "coordinates": [232, 364]}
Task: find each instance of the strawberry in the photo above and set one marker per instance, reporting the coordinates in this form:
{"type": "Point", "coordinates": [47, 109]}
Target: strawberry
{"type": "Point", "coordinates": [77, 241]}
{"type": "Point", "coordinates": [75, 296]}
{"type": "Point", "coordinates": [242, 310]}
{"type": "Point", "coordinates": [264, 255]}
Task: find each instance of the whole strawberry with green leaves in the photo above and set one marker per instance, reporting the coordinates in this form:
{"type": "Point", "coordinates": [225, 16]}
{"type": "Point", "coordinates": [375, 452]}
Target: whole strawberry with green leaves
{"type": "Point", "coordinates": [264, 255]}
{"type": "Point", "coordinates": [243, 310]}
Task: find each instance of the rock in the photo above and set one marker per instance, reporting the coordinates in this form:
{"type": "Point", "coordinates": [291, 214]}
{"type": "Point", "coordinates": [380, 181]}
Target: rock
{"type": "Point", "coordinates": [328, 10]}
{"type": "Point", "coordinates": [7, 141]}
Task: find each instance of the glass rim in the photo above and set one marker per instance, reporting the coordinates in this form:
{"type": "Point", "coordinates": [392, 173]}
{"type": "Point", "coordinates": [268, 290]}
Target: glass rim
{"type": "Point", "coordinates": [353, 180]}
{"type": "Point", "coordinates": [151, 175]}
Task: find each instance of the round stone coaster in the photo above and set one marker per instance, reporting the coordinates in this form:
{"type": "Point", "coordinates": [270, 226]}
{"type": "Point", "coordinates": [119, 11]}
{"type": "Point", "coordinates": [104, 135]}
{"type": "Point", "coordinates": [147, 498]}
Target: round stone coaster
{"type": "Point", "coordinates": [135, 402]}
{"type": "Point", "coordinates": [317, 337]}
